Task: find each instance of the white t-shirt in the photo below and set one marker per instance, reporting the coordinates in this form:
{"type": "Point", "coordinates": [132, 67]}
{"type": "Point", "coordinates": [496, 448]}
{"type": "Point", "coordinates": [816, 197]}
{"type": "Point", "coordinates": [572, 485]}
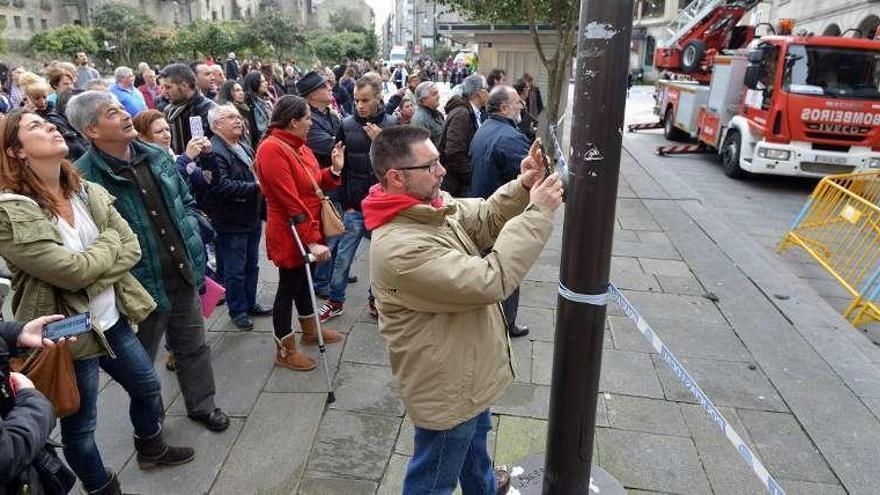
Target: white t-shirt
{"type": "Point", "coordinates": [77, 238]}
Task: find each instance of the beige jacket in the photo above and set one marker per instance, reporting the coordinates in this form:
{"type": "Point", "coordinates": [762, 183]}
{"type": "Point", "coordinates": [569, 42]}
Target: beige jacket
{"type": "Point", "coordinates": [32, 245]}
{"type": "Point", "coordinates": [439, 300]}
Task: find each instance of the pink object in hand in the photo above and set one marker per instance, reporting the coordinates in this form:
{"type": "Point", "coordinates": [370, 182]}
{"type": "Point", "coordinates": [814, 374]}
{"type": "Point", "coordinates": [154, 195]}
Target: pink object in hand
{"type": "Point", "coordinates": [213, 293]}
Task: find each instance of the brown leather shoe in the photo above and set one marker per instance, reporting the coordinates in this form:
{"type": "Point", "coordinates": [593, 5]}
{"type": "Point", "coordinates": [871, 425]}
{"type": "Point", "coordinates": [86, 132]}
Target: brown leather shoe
{"type": "Point", "coordinates": [502, 481]}
{"type": "Point", "coordinates": [310, 333]}
{"type": "Point", "coordinates": [287, 356]}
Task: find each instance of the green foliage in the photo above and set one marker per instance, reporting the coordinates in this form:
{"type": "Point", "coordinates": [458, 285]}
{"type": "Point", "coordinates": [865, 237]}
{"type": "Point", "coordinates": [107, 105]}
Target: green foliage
{"type": "Point", "coordinates": [333, 47]}
{"type": "Point", "coordinates": [160, 46]}
{"type": "Point", "coordinates": [211, 38]}
{"type": "Point", "coordinates": [273, 30]}
{"type": "Point", "coordinates": [65, 41]}
{"type": "Point", "coordinates": [126, 28]}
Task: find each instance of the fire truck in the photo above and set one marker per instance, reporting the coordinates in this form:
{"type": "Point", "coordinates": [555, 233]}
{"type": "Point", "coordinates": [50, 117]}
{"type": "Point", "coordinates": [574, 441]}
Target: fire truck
{"type": "Point", "coordinates": [783, 104]}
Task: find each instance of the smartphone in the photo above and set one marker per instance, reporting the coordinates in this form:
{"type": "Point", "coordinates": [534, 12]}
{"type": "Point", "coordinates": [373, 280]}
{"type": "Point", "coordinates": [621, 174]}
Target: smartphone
{"type": "Point", "coordinates": [68, 327]}
{"type": "Point", "coordinates": [195, 127]}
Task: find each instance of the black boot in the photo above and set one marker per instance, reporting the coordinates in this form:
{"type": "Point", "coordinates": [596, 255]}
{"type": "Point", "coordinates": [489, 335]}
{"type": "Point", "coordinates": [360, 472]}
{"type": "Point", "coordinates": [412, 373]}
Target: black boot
{"type": "Point", "coordinates": [111, 488]}
{"type": "Point", "coordinates": [153, 452]}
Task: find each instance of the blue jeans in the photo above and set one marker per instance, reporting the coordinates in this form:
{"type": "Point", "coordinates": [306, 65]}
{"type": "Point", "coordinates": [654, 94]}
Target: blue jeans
{"type": "Point", "coordinates": [344, 247]}
{"type": "Point", "coordinates": [442, 459]}
{"type": "Point", "coordinates": [133, 370]}
{"type": "Point", "coordinates": [240, 253]}
{"type": "Point", "coordinates": [323, 272]}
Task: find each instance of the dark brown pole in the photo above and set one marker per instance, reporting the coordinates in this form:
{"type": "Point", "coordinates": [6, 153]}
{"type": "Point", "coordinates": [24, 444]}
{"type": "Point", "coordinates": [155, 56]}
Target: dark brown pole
{"type": "Point", "coordinates": [597, 123]}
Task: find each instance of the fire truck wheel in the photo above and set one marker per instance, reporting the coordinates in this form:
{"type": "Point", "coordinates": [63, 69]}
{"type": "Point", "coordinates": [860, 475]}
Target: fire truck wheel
{"type": "Point", "coordinates": [730, 155]}
{"type": "Point", "coordinates": [671, 132]}
{"type": "Point", "coordinates": [692, 55]}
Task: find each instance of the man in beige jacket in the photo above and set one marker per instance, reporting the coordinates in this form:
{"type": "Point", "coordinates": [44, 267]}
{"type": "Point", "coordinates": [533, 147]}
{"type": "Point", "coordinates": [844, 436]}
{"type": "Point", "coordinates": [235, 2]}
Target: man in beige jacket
{"type": "Point", "coordinates": [439, 300]}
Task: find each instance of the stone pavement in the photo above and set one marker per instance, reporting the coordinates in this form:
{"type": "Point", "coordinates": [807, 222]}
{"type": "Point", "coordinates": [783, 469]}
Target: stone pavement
{"type": "Point", "coordinates": [795, 381]}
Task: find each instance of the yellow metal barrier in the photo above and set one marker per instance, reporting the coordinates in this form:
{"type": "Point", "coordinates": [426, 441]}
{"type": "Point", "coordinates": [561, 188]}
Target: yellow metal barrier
{"type": "Point", "coordinates": [839, 226]}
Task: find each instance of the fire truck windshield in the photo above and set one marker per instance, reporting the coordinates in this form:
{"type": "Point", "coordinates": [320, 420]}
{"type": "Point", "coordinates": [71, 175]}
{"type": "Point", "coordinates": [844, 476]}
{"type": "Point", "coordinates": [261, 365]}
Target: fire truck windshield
{"type": "Point", "coordinates": [832, 72]}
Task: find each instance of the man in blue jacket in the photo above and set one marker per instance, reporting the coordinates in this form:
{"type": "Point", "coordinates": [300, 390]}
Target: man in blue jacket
{"type": "Point", "coordinates": [496, 152]}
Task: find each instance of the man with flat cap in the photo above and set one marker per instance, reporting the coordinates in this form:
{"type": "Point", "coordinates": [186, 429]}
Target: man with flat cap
{"type": "Point", "coordinates": [325, 123]}
{"type": "Point", "coordinates": [321, 139]}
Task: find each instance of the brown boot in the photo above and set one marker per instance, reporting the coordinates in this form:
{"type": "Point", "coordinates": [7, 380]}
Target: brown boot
{"type": "Point", "coordinates": [287, 356]}
{"type": "Point", "coordinates": [310, 333]}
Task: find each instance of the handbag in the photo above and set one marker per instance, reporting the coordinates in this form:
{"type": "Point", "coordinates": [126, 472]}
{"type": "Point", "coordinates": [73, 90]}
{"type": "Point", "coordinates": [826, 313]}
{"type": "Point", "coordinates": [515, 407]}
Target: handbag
{"type": "Point", "coordinates": [47, 474]}
{"type": "Point", "coordinates": [51, 370]}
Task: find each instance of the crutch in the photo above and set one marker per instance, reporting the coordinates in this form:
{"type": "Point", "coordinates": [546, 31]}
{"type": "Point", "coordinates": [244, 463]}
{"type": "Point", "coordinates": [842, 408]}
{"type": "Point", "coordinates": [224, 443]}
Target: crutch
{"type": "Point", "coordinates": [308, 259]}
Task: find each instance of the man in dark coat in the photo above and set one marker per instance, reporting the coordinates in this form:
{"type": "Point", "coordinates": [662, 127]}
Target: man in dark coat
{"type": "Point", "coordinates": [357, 134]}
{"type": "Point", "coordinates": [497, 151]}
{"type": "Point", "coordinates": [185, 101]}
{"type": "Point", "coordinates": [462, 122]}
{"type": "Point", "coordinates": [232, 67]}
{"type": "Point", "coordinates": [233, 203]}
{"type": "Point", "coordinates": [325, 124]}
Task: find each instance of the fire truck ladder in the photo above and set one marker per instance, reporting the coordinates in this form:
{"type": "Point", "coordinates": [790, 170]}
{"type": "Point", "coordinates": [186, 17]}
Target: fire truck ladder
{"type": "Point", "coordinates": [693, 14]}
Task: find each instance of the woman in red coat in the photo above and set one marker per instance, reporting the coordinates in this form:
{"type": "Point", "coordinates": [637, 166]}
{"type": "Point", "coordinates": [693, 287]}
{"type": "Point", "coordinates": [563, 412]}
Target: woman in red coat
{"type": "Point", "coordinates": [282, 164]}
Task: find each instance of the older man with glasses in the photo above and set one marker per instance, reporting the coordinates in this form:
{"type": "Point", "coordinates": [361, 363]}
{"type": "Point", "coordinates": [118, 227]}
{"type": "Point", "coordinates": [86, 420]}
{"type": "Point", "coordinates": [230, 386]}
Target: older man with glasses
{"type": "Point", "coordinates": [233, 204]}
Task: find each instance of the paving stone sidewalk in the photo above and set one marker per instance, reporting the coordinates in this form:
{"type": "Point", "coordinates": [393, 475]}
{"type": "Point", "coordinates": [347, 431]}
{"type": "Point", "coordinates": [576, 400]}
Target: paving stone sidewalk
{"type": "Point", "coordinates": [792, 378]}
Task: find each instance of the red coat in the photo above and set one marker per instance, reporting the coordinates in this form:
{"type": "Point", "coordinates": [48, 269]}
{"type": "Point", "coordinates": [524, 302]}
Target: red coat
{"type": "Point", "coordinates": [148, 97]}
{"type": "Point", "coordinates": [281, 162]}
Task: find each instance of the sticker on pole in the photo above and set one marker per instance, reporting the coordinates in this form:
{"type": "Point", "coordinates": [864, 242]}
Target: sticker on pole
{"type": "Point", "coordinates": [851, 214]}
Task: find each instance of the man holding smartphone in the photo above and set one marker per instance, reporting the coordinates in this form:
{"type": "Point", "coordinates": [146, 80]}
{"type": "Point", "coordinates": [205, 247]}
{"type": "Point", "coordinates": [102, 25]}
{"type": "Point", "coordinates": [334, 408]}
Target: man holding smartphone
{"type": "Point", "coordinates": [185, 103]}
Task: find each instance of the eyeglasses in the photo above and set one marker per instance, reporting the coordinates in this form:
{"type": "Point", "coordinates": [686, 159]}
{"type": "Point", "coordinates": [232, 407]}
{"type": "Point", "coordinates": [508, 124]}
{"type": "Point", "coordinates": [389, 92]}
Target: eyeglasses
{"type": "Point", "coordinates": [430, 167]}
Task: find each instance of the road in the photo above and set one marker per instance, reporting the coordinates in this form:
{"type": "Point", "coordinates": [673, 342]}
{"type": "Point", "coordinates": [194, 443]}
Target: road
{"type": "Point", "coordinates": [761, 207]}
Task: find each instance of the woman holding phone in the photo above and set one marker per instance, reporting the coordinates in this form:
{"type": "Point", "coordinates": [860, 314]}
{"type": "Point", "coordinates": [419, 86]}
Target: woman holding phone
{"type": "Point", "coordinates": [70, 252]}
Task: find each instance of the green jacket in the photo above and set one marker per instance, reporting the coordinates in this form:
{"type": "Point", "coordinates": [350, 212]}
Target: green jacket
{"type": "Point", "coordinates": [34, 250]}
{"type": "Point", "coordinates": [178, 202]}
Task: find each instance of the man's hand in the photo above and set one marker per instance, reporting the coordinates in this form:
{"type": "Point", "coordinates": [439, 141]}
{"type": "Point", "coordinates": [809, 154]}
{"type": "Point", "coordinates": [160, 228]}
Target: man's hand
{"type": "Point", "coordinates": [372, 130]}
{"type": "Point", "coordinates": [337, 157]}
{"type": "Point", "coordinates": [548, 194]}
{"type": "Point", "coordinates": [32, 333]}
{"type": "Point", "coordinates": [20, 382]}
{"type": "Point", "coordinates": [207, 176]}
{"type": "Point", "coordinates": [532, 166]}
{"type": "Point", "coordinates": [197, 146]}
{"type": "Point", "coordinates": [320, 252]}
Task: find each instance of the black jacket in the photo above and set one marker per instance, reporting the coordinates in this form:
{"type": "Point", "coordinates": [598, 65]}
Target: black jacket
{"type": "Point", "coordinates": [178, 119]}
{"type": "Point", "coordinates": [343, 99]}
{"type": "Point", "coordinates": [25, 427]}
{"type": "Point", "coordinates": [233, 200]}
{"type": "Point", "coordinates": [231, 69]}
{"type": "Point", "coordinates": [76, 143]}
{"type": "Point", "coordinates": [322, 134]}
{"type": "Point", "coordinates": [393, 103]}
{"type": "Point", "coordinates": [357, 176]}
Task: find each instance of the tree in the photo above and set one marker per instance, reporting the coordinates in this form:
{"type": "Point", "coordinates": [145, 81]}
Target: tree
{"type": "Point", "coordinates": [64, 41]}
{"type": "Point", "coordinates": [346, 19]}
{"type": "Point", "coordinates": [273, 30]}
{"type": "Point", "coordinates": [124, 27]}
{"type": "Point", "coordinates": [333, 47]}
{"type": "Point", "coordinates": [561, 15]}
{"type": "Point", "coordinates": [211, 38]}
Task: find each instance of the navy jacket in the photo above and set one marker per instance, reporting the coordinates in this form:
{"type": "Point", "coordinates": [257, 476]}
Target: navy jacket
{"type": "Point", "coordinates": [233, 200]}
{"type": "Point", "coordinates": [496, 152]}
{"type": "Point", "coordinates": [358, 176]}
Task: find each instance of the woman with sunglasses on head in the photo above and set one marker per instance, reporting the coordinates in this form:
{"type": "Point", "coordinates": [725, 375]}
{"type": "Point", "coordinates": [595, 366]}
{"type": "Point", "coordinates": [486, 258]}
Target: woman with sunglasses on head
{"type": "Point", "coordinates": [70, 250]}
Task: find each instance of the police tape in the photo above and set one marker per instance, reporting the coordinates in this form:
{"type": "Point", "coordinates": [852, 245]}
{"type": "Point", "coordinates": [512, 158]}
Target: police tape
{"type": "Point", "coordinates": [685, 378]}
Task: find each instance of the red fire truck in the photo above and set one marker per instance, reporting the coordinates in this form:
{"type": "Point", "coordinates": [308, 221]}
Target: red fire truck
{"type": "Point", "coordinates": [780, 104]}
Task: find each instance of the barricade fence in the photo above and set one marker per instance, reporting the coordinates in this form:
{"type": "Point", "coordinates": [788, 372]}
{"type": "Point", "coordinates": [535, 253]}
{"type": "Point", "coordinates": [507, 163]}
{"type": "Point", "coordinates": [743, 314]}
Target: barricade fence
{"type": "Point", "coordinates": [839, 226]}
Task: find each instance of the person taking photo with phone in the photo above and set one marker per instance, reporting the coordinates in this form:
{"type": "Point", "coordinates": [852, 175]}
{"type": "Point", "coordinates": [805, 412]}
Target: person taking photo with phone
{"type": "Point", "coordinates": [70, 251]}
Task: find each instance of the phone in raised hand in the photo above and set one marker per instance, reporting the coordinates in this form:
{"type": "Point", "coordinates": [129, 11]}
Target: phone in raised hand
{"type": "Point", "coordinates": [195, 127]}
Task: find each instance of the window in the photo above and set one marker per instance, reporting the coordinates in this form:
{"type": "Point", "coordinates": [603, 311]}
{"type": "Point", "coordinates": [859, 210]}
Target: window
{"type": "Point", "coordinates": [17, 21]}
{"type": "Point", "coordinates": [650, 46]}
{"type": "Point", "coordinates": [653, 8]}
{"type": "Point", "coordinates": [31, 25]}
{"type": "Point", "coordinates": [2, 20]}
{"type": "Point", "coordinates": [44, 24]}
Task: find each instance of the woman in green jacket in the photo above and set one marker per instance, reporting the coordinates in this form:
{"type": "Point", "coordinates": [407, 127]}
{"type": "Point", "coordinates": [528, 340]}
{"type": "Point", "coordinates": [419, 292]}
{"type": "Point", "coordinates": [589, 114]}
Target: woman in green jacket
{"type": "Point", "coordinates": [70, 251]}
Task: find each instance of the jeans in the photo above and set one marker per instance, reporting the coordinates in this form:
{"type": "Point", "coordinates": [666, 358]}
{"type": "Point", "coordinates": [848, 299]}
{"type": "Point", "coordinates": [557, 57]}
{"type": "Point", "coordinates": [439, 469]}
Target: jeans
{"type": "Point", "coordinates": [184, 328]}
{"type": "Point", "coordinates": [441, 459]}
{"type": "Point", "coordinates": [323, 272]}
{"type": "Point", "coordinates": [133, 370]}
{"type": "Point", "coordinates": [346, 247]}
{"type": "Point", "coordinates": [240, 253]}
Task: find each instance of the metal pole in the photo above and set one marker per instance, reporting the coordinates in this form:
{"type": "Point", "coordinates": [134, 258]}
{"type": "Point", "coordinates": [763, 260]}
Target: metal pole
{"type": "Point", "coordinates": [600, 98]}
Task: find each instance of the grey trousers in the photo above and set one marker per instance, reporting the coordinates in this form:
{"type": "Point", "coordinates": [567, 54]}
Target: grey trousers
{"type": "Point", "coordinates": [184, 329]}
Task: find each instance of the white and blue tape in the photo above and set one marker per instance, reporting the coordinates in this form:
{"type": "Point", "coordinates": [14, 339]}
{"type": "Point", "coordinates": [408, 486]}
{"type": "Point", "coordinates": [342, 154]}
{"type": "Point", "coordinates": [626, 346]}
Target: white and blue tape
{"type": "Point", "coordinates": [685, 378]}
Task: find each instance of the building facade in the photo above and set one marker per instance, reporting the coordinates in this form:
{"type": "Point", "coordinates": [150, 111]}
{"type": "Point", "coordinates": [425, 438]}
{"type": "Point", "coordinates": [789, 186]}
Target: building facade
{"type": "Point", "coordinates": [859, 18]}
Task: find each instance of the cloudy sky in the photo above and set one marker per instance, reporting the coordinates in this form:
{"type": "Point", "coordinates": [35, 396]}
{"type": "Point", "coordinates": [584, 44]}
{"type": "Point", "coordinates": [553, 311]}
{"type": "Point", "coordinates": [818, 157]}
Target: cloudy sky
{"type": "Point", "coordinates": [381, 8]}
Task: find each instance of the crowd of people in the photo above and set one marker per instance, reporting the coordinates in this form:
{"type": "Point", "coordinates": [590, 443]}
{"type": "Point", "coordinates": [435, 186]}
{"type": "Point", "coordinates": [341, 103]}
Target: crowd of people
{"type": "Point", "coordinates": [125, 199]}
